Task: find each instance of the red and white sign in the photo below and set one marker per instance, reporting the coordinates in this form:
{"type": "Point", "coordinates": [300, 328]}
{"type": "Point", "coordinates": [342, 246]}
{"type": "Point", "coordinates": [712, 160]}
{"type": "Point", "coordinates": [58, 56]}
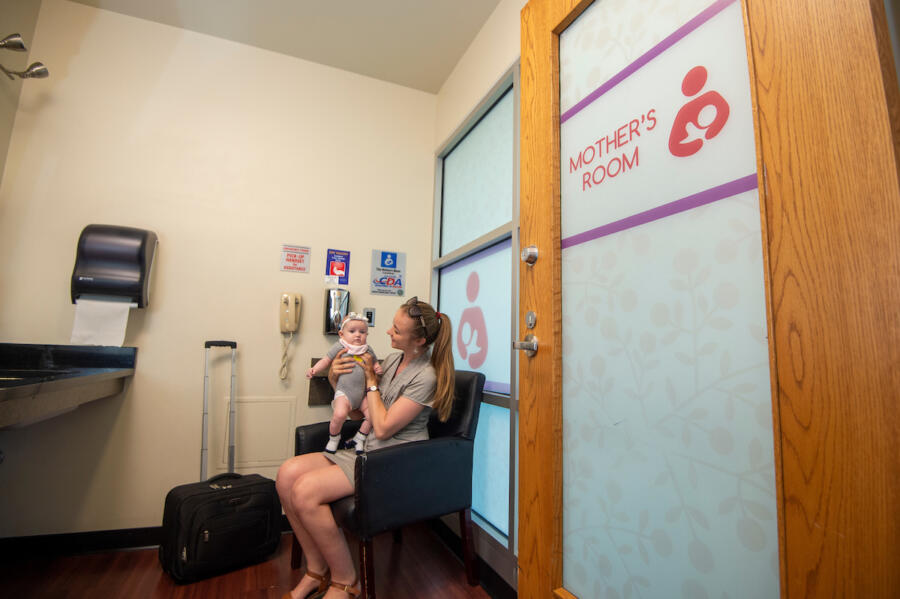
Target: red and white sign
{"type": "Point", "coordinates": [294, 258]}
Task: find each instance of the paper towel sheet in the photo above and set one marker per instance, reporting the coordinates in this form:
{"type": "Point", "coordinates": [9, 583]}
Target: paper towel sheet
{"type": "Point", "coordinates": [99, 322]}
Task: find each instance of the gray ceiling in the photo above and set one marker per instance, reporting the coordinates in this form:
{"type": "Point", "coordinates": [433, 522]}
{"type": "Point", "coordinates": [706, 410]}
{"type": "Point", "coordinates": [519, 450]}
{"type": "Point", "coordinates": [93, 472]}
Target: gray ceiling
{"type": "Point", "coordinates": [414, 43]}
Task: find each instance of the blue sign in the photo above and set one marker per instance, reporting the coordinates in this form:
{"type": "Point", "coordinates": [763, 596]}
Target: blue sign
{"type": "Point", "coordinates": [388, 272]}
{"type": "Point", "coordinates": [337, 264]}
{"type": "Point", "coordinates": [388, 259]}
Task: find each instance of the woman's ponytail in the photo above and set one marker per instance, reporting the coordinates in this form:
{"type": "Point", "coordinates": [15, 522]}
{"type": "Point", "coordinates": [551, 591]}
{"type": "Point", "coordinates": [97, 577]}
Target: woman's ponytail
{"type": "Point", "coordinates": [438, 332]}
{"type": "Point", "coordinates": [442, 361]}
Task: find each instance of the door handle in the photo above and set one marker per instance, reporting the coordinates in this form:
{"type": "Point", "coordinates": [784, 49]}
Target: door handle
{"type": "Point", "coordinates": [529, 345]}
{"type": "Point", "coordinates": [530, 255]}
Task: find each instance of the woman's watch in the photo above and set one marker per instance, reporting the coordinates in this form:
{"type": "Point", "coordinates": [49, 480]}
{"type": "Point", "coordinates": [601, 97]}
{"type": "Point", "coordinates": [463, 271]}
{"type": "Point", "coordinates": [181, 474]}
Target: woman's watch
{"type": "Point", "coordinates": [372, 388]}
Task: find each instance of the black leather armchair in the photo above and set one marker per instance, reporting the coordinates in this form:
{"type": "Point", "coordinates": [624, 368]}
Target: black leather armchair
{"type": "Point", "coordinates": [408, 483]}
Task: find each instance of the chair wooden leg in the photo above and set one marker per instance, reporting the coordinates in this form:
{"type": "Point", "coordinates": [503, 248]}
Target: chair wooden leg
{"type": "Point", "coordinates": [296, 553]}
{"type": "Point", "coordinates": [367, 569]}
{"type": "Point", "coordinates": [468, 546]}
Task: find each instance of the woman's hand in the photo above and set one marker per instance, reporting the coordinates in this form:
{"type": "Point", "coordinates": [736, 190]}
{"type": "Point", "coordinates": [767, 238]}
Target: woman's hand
{"type": "Point", "coordinates": [342, 364]}
{"type": "Point", "coordinates": [371, 367]}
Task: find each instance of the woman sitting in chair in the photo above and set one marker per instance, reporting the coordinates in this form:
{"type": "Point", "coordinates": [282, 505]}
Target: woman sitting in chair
{"type": "Point", "coordinates": [415, 381]}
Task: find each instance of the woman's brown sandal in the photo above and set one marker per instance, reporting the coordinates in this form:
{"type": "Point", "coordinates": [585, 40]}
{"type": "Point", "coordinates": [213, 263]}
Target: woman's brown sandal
{"type": "Point", "coordinates": [324, 581]}
{"type": "Point", "coordinates": [347, 588]}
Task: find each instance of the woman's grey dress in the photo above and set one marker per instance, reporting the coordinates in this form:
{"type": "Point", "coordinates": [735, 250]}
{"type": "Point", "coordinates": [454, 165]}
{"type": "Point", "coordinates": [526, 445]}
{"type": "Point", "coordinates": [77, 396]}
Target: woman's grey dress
{"type": "Point", "coordinates": [417, 382]}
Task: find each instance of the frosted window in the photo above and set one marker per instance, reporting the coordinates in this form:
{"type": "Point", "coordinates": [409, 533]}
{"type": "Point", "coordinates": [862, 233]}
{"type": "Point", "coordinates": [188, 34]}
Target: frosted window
{"type": "Point", "coordinates": [476, 293]}
{"type": "Point", "coordinates": [490, 473]}
{"type": "Point", "coordinates": [478, 179]}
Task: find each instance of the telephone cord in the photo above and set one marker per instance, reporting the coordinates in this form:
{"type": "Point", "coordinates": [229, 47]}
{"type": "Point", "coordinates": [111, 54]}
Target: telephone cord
{"type": "Point", "coordinates": [285, 343]}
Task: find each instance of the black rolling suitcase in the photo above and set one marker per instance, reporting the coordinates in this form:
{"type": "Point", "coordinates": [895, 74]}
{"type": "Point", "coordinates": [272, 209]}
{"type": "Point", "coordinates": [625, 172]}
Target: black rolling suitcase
{"type": "Point", "coordinates": [226, 522]}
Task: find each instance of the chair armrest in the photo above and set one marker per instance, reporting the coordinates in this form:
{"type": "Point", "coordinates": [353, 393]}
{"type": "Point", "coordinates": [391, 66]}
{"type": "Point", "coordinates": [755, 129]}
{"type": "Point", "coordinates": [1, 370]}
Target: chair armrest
{"type": "Point", "coordinates": [411, 482]}
{"type": "Point", "coordinates": [310, 438]}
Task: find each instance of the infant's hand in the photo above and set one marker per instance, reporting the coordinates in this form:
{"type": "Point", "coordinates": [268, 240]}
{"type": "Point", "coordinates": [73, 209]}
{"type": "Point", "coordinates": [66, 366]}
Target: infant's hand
{"type": "Point", "coordinates": [378, 369]}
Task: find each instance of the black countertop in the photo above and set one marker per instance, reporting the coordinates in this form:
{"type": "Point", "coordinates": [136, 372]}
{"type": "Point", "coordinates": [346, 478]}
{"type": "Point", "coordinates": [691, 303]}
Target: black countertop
{"type": "Point", "coordinates": [48, 357]}
{"type": "Point", "coordinates": [30, 373]}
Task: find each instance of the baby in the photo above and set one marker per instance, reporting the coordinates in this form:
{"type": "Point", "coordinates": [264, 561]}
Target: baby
{"type": "Point", "coordinates": [350, 393]}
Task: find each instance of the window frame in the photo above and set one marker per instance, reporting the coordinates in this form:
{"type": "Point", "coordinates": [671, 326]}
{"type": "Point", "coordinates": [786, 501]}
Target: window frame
{"type": "Point", "coordinates": [497, 549]}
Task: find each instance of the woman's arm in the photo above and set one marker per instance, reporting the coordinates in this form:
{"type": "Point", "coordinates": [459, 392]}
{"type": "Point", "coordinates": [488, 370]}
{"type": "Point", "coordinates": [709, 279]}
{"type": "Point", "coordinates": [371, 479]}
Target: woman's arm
{"type": "Point", "coordinates": [386, 422]}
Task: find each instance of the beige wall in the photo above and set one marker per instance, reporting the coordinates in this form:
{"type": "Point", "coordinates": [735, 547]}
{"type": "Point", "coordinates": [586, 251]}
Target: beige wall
{"type": "Point", "coordinates": [490, 55]}
{"type": "Point", "coordinates": [227, 152]}
{"type": "Point", "coordinates": [17, 16]}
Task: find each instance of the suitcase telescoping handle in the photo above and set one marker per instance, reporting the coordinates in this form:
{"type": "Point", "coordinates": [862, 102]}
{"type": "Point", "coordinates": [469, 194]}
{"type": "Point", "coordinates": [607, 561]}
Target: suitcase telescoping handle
{"type": "Point", "coordinates": [231, 344]}
{"type": "Point", "coordinates": [205, 432]}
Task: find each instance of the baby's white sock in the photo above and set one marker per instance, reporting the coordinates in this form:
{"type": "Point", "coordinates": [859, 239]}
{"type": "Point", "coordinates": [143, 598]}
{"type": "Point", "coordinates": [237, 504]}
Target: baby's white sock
{"type": "Point", "coordinates": [359, 441]}
{"type": "Point", "coordinates": [333, 441]}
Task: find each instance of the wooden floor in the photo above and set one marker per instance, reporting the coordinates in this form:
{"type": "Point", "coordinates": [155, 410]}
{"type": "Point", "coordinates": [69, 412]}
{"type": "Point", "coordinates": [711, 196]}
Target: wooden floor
{"type": "Point", "coordinates": [420, 567]}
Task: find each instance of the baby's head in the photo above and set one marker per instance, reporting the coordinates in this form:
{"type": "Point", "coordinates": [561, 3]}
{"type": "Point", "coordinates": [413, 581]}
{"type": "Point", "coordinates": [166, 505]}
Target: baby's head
{"type": "Point", "coordinates": [354, 329]}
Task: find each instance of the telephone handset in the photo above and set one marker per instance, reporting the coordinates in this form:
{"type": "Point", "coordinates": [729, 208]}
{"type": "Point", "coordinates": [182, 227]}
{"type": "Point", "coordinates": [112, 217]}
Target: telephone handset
{"type": "Point", "coordinates": [289, 316]}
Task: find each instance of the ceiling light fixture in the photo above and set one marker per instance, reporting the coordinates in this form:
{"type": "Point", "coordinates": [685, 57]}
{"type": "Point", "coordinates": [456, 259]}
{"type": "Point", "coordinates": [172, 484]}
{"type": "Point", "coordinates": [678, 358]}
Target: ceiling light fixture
{"type": "Point", "coordinates": [13, 42]}
{"type": "Point", "coordinates": [35, 70]}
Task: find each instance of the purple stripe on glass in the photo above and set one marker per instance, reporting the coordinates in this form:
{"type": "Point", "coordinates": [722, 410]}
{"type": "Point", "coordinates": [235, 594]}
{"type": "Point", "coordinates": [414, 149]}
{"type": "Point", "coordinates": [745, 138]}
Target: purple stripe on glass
{"type": "Point", "coordinates": [720, 192]}
{"type": "Point", "coordinates": [496, 387]}
{"type": "Point", "coordinates": [655, 51]}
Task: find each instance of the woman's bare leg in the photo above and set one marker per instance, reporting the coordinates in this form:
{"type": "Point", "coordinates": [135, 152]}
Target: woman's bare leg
{"type": "Point", "coordinates": [310, 498]}
{"type": "Point", "coordinates": [288, 474]}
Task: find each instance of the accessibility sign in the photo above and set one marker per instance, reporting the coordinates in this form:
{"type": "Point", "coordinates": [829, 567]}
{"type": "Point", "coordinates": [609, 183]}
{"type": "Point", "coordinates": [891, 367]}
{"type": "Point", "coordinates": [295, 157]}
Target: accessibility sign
{"type": "Point", "coordinates": [388, 272]}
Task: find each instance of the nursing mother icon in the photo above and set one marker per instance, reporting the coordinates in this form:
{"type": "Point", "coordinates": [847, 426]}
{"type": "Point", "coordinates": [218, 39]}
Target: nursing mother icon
{"type": "Point", "coordinates": [694, 120]}
{"type": "Point", "coordinates": [471, 334]}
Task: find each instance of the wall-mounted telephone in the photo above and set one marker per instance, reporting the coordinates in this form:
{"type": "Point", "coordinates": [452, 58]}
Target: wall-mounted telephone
{"type": "Point", "coordinates": [289, 315]}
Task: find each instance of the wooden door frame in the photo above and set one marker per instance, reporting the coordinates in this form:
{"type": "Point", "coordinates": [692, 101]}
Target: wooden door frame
{"type": "Point", "coordinates": [540, 290]}
{"type": "Point", "coordinates": [827, 119]}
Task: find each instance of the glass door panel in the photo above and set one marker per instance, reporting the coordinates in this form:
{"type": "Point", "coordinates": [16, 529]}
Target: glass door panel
{"type": "Point", "coordinates": [668, 473]}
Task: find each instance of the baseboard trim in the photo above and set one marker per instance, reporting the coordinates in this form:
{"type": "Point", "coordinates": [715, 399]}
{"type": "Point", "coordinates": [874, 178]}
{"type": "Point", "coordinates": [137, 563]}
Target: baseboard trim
{"type": "Point", "coordinates": [13, 548]}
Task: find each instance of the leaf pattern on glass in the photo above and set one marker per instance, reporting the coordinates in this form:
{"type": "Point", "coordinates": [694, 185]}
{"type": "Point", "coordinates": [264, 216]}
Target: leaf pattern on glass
{"type": "Point", "coordinates": [701, 556]}
{"type": "Point", "coordinates": [662, 543]}
{"type": "Point", "coordinates": [751, 534]}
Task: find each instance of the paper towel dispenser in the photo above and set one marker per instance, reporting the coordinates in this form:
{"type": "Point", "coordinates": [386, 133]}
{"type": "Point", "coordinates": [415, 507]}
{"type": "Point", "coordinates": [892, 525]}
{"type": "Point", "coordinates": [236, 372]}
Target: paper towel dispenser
{"type": "Point", "coordinates": [337, 305]}
{"type": "Point", "coordinates": [114, 262]}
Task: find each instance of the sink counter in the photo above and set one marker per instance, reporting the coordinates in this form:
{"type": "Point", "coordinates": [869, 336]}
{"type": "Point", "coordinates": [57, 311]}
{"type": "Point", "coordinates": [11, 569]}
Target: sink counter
{"type": "Point", "coordinates": [41, 381]}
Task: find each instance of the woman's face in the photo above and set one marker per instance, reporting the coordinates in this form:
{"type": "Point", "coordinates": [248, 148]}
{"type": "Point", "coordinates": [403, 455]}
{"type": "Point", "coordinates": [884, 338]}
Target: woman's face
{"type": "Point", "coordinates": [402, 332]}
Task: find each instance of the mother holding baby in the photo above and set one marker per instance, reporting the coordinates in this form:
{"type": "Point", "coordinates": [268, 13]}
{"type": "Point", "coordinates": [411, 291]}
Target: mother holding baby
{"type": "Point", "coordinates": [417, 379]}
